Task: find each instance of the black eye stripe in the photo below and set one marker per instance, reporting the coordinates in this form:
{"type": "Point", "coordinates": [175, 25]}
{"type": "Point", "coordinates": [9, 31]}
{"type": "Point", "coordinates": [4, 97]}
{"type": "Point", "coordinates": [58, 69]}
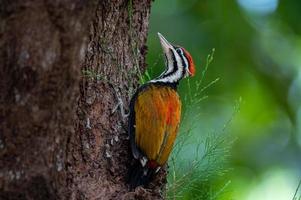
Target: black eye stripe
{"type": "Point", "coordinates": [183, 57]}
{"type": "Point", "coordinates": [180, 51]}
{"type": "Point", "coordinates": [183, 61]}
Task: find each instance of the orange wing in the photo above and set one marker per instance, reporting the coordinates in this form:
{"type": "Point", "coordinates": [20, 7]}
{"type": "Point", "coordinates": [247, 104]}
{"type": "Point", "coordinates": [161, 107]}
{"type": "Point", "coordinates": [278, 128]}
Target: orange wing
{"type": "Point", "coordinates": [157, 118]}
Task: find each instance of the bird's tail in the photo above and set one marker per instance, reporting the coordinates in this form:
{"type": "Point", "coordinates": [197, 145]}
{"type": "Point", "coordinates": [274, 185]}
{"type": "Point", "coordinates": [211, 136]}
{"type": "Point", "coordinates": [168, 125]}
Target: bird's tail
{"type": "Point", "coordinates": [140, 175]}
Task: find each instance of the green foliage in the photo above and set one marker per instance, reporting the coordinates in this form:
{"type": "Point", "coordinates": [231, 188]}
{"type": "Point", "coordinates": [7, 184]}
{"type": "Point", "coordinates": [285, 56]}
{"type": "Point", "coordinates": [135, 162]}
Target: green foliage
{"type": "Point", "coordinates": [144, 78]}
{"type": "Point", "coordinates": [198, 177]}
{"type": "Point", "coordinates": [147, 74]}
{"type": "Point", "coordinates": [258, 54]}
{"type": "Point", "coordinates": [298, 190]}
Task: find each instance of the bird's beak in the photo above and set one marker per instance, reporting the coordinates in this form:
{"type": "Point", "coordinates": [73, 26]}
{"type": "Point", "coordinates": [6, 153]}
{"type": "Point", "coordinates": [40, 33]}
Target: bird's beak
{"type": "Point", "coordinates": [166, 46]}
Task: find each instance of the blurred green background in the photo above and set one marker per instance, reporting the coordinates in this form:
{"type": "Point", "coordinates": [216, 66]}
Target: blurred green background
{"type": "Point", "coordinates": [257, 59]}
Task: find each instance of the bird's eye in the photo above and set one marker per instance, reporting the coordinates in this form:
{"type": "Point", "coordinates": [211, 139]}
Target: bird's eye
{"type": "Point", "coordinates": [179, 50]}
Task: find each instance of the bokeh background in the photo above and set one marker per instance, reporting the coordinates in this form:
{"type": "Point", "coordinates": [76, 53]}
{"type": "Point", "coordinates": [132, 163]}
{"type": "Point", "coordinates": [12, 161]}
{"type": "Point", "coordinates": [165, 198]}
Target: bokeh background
{"type": "Point", "coordinates": [249, 99]}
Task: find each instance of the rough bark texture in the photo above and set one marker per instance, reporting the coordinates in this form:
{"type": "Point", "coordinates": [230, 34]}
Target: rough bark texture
{"type": "Point", "coordinates": [64, 64]}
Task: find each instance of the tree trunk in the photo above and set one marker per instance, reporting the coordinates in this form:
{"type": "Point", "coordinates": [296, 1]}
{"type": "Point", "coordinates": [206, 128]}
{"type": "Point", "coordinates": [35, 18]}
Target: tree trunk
{"type": "Point", "coordinates": [64, 67]}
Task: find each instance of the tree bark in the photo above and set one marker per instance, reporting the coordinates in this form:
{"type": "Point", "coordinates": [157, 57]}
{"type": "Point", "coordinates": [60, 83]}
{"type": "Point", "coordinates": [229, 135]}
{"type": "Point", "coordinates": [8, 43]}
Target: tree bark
{"type": "Point", "coordinates": [64, 67]}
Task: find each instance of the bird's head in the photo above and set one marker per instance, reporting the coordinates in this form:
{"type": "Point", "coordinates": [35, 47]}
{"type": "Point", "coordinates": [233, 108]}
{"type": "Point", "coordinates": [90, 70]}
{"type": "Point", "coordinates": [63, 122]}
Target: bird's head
{"type": "Point", "coordinates": [178, 60]}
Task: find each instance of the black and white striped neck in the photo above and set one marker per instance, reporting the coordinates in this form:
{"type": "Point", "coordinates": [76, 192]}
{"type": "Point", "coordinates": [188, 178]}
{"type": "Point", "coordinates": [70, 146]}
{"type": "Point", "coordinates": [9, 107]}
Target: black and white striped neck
{"type": "Point", "coordinates": [175, 68]}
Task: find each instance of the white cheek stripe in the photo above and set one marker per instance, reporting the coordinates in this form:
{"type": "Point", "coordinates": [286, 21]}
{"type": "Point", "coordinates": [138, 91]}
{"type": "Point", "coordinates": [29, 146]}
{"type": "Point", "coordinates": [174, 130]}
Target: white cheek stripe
{"type": "Point", "coordinates": [186, 61]}
{"type": "Point", "coordinates": [170, 66]}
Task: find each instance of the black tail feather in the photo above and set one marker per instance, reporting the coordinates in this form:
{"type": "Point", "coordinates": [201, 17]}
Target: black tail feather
{"type": "Point", "coordinates": [139, 175]}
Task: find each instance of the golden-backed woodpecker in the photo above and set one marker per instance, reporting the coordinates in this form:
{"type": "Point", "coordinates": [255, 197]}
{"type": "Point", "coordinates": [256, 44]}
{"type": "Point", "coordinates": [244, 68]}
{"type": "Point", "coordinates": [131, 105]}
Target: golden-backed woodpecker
{"type": "Point", "coordinates": [155, 112]}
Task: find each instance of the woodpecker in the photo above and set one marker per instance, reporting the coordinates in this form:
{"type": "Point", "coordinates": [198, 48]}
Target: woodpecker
{"type": "Point", "coordinates": [155, 112]}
